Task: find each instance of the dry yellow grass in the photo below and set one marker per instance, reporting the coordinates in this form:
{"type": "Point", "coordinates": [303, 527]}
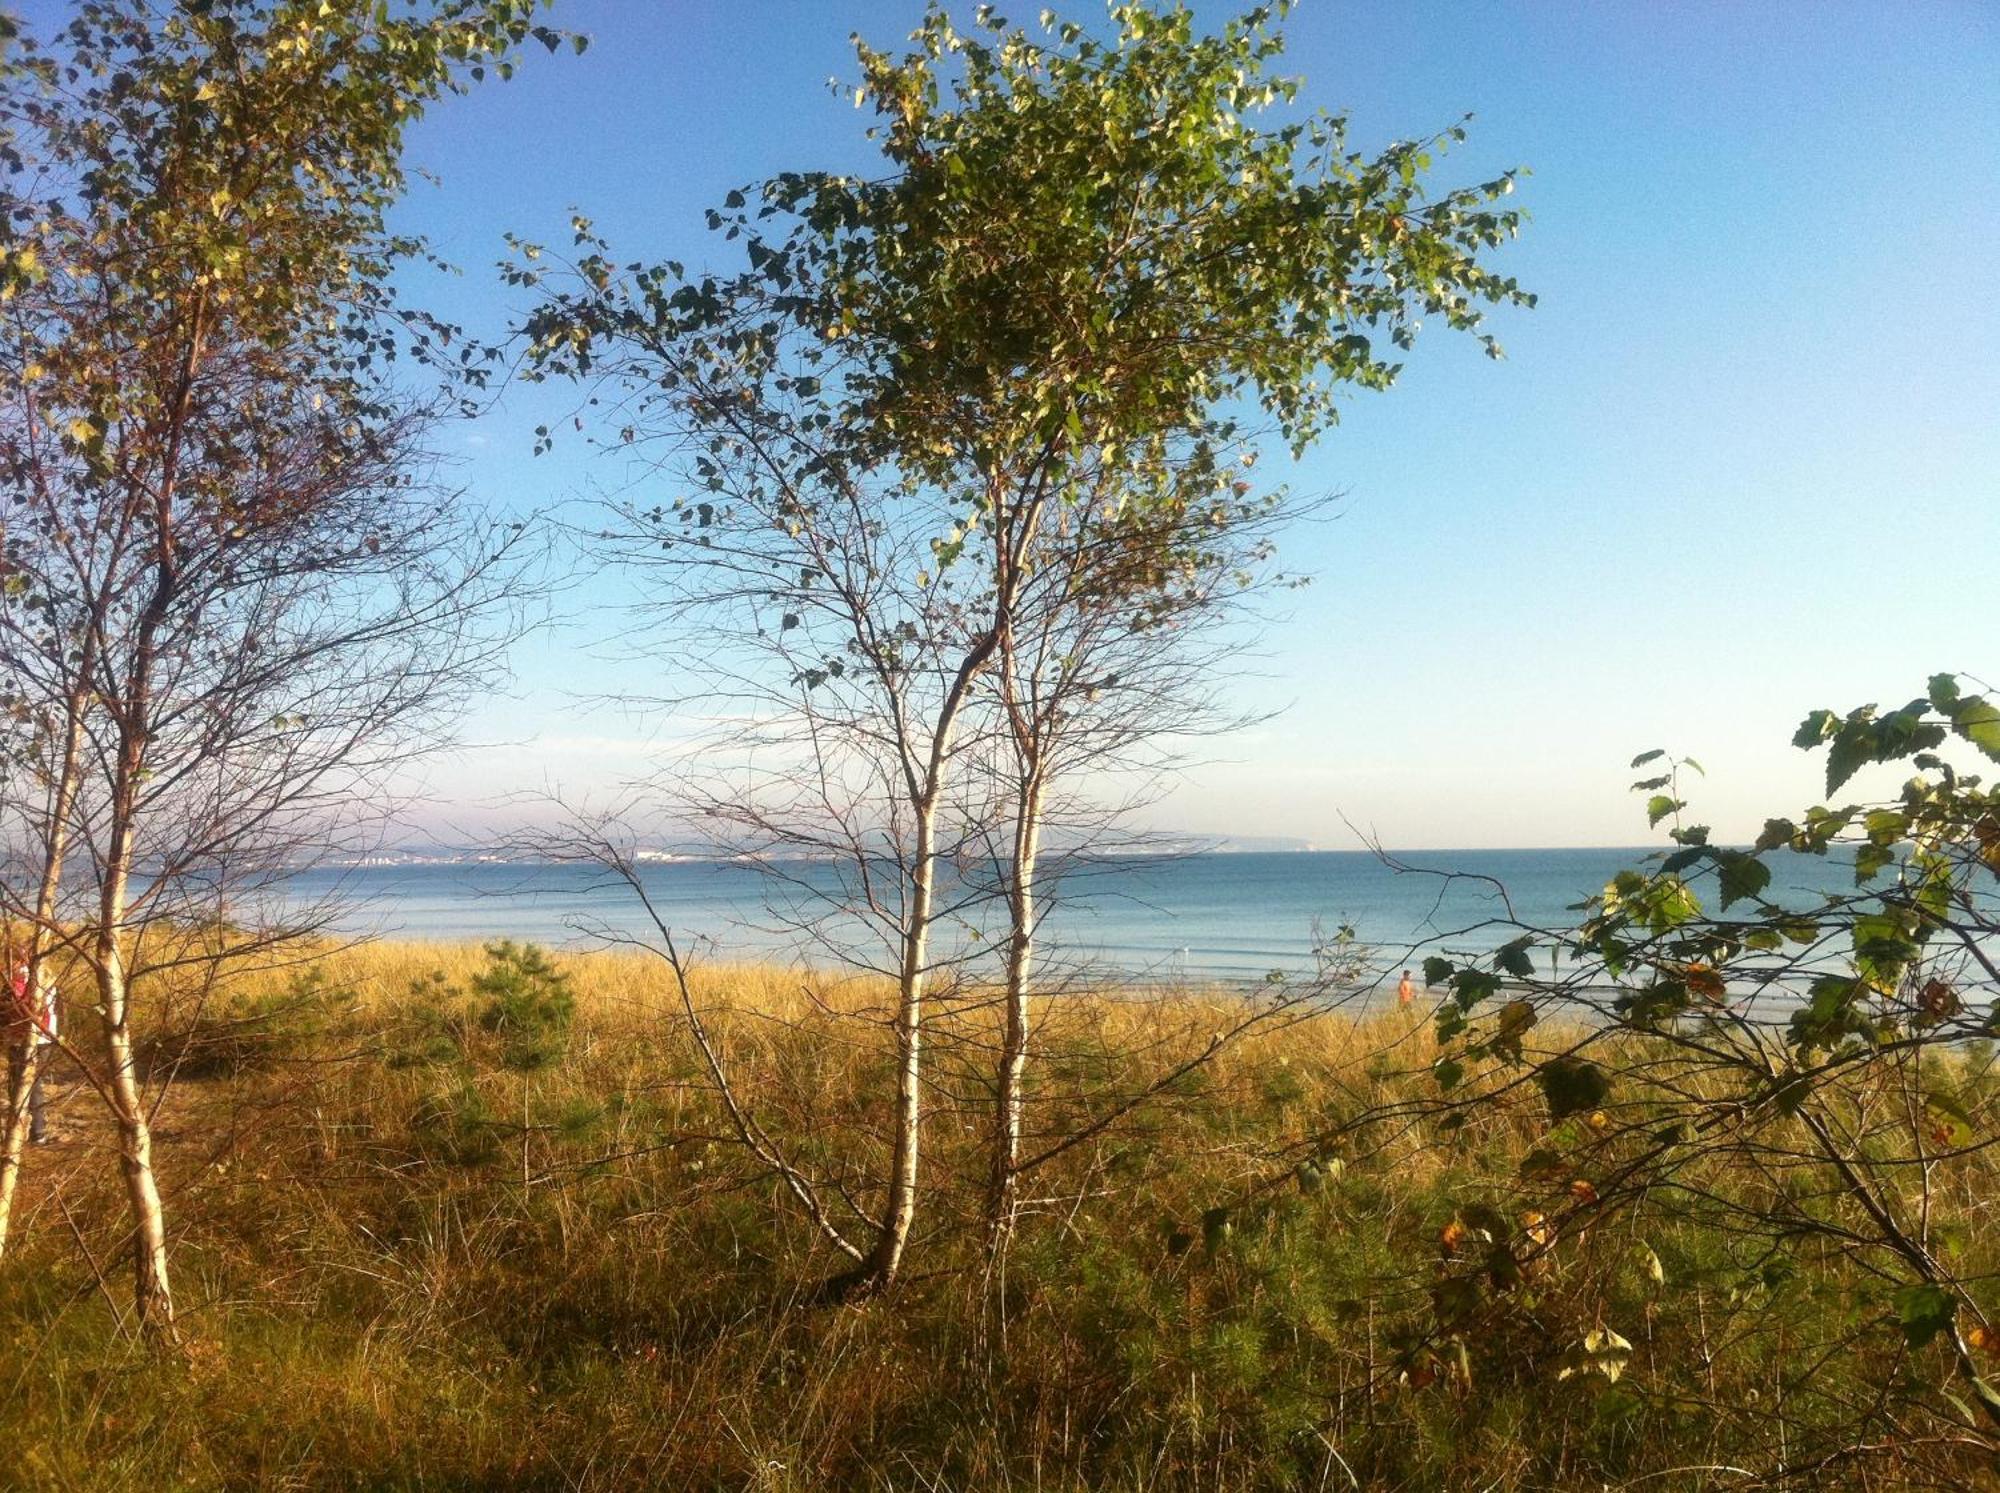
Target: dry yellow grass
{"type": "Point", "coordinates": [403, 1262]}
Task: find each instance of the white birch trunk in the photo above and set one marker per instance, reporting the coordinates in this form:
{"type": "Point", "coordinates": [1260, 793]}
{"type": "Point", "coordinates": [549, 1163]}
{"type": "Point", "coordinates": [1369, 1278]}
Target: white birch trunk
{"type": "Point", "coordinates": [1003, 1198]}
{"type": "Point", "coordinates": [55, 846]}
{"type": "Point", "coordinates": [152, 1295]}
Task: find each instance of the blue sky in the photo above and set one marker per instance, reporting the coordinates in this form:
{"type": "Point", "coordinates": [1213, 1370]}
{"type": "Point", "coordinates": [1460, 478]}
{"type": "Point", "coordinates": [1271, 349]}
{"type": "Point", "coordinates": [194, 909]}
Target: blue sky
{"type": "Point", "coordinates": [1740, 462]}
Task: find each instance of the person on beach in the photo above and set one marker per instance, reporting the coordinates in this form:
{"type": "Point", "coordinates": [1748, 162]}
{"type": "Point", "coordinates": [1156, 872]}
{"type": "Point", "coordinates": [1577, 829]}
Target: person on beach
{"type": "Point", "coordinates": [31, 1026]}
{"type": "Point", "coordinates": [1407, 991]}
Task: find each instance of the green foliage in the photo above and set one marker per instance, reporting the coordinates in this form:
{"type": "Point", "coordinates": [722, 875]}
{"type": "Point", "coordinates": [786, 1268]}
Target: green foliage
{"type": "Point", "coordinates": [528, 1004]}
{"type": "Point", "coordinates": [251, 1031]}
{"type": "Point", "coordinates": [1081, 261]}
{"type": "Point", "coordinates": [995, 405]}
{"type": "Point", "coordinates": [1748, 1023]}
{"type": "Point", "coordinates": [1923, 1311]}
{"type": "Point", "coordinates": [1572, 1085]}
{"type": "Point", "coordinates": [434, 1026]}
{"type": "Point", "coordinates": [457, 1124]}
{"type": "Point", "coordinates": [192, 154]}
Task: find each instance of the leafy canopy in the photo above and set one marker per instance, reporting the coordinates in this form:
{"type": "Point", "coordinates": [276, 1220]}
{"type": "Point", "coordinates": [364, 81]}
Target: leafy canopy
{"type": "Point", "coordinates": [210, 180]}
{"type": "Point", "coordinates": [1085, 258]}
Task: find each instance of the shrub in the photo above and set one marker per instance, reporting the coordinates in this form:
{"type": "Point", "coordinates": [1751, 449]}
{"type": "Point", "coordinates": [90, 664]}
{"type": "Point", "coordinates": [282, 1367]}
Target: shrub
{"type": "Point", "coordinates": [457, 1125]}
{"type": "Point", "coordinates": [437, 1027]}
{"type": "Point", "coordinates": [529, 1004]}
{"type": "Point", "coordinates": [242, 1033]}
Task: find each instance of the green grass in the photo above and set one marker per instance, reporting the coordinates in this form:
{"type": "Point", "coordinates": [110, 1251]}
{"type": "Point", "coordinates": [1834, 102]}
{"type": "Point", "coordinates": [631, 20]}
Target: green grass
{"type": "Point", "coordinates": [418, 1246]}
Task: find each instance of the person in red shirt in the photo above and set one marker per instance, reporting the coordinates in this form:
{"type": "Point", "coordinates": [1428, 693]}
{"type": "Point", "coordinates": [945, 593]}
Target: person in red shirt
{"type": "Point", "coordinates": [31, 1026]}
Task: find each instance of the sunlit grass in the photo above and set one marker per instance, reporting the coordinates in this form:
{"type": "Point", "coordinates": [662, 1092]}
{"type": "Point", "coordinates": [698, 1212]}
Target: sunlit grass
{"type": "Point", "coordinates": [408, 1256]}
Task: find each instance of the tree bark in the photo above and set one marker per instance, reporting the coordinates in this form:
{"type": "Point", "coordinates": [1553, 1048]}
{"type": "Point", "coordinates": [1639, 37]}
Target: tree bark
{"type": "Point", "coordinates": [26, 1065]}
{"type": "Point", "coordinates": [899, 1210]}
{"type": "Point", "coordinates": [1002, 1198]}
{"type": "Point", "coordinates": [152, 1293]}
{"type": "Point", "coordinates": [24, 1058]}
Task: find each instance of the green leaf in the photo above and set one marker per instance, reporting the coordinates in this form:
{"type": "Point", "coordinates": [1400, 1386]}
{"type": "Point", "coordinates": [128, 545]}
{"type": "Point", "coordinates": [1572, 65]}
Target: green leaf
{"type": "Point", "coordinates": [1882, 949]}
{"type": "Point", "coordinates": [1742, 876]}
{"type": "Point", "coordinates": [1659, 806]}
{"type": "Point", "coordinates": [1572, 1085]}
{"type": "Point", "coordinates": [1602, 1351]}
{"type": "Point", "coordinates": [1854, 748]}
{"type": "Point", "coordinates": [1649, 1262]}
{"type": "Point", "coordinates": [1449, 1073]}
{"type": "Point", "coordinates": [1541, 1164]}
{"type": "Point", "coordinates": [1923, 1312]}
{"type": "Point", "coordinates": [1987, 1396]}
{"type": "Point", "coordinates": [1471, 986]}
{"type": "Point", "coordinates": [1644, 757]}
{"type": "Point", "coordinates": [1950, 1116]}
{"type": "Point", "coordinates": [1829, 1014]}
{"type": "Point", "coordinates": [1869, 861]}
{"type": "Point", "coordinates": [1978, 721]}
{"type": "Point", "coordinates": [1776, 833]}
{"type": "Point", "coordinates": [1944, 693]}
{"type": "Point", "coordinates": [1886, 826]}
{"type": "Point", "coordinates": [1515, 959]}
{"type": "Point", "coordinates": [1437, 971]}
{"type": "Point", "coordinates": [1815, 729]}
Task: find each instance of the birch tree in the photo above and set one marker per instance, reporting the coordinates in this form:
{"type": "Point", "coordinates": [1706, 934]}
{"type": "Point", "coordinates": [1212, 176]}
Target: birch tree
{"type": "Point", "coordinates": [1086, 261]}
{"type": "Point", "coordinates": [234, 597]}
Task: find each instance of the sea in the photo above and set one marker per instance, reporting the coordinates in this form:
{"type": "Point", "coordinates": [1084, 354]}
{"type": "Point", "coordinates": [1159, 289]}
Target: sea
{"type": "Point", "coordinates": [1219, 917]}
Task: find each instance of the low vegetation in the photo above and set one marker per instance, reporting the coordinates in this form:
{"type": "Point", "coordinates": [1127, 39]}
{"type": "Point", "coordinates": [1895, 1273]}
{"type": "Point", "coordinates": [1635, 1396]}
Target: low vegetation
{"type": "Point", "coordinates": [466, 1217]}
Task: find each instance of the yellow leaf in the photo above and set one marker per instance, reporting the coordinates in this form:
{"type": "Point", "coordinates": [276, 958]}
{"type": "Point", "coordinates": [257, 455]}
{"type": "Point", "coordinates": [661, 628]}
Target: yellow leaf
{"type": "Point", "coordinates": [1649, 1261]}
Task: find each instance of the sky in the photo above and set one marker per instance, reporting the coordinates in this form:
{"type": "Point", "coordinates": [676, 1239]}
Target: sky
{"type": "Point", "coordinates": [1740, 461]}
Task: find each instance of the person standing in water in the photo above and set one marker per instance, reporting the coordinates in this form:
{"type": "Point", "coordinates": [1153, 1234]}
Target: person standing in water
{"type": "Point", "coordinates": [1407, 991]}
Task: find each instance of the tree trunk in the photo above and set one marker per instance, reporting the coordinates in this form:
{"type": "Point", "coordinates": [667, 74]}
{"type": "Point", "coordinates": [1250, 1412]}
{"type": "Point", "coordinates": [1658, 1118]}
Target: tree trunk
{"type": "Point", "coordinates": [152, 1296]}
{"type": "Point", "coordinates": [24, 1058]}
{"type": "Point", "coordinates": [25, 1064]}
{"type": "Point", "coordinates": [900, 1210]}
{"type": "Point", "coordinates": [1002, 1197]}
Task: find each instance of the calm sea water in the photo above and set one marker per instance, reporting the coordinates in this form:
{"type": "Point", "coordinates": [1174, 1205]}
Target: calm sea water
{"type": "Point", "coordinates": [1221, 917]}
